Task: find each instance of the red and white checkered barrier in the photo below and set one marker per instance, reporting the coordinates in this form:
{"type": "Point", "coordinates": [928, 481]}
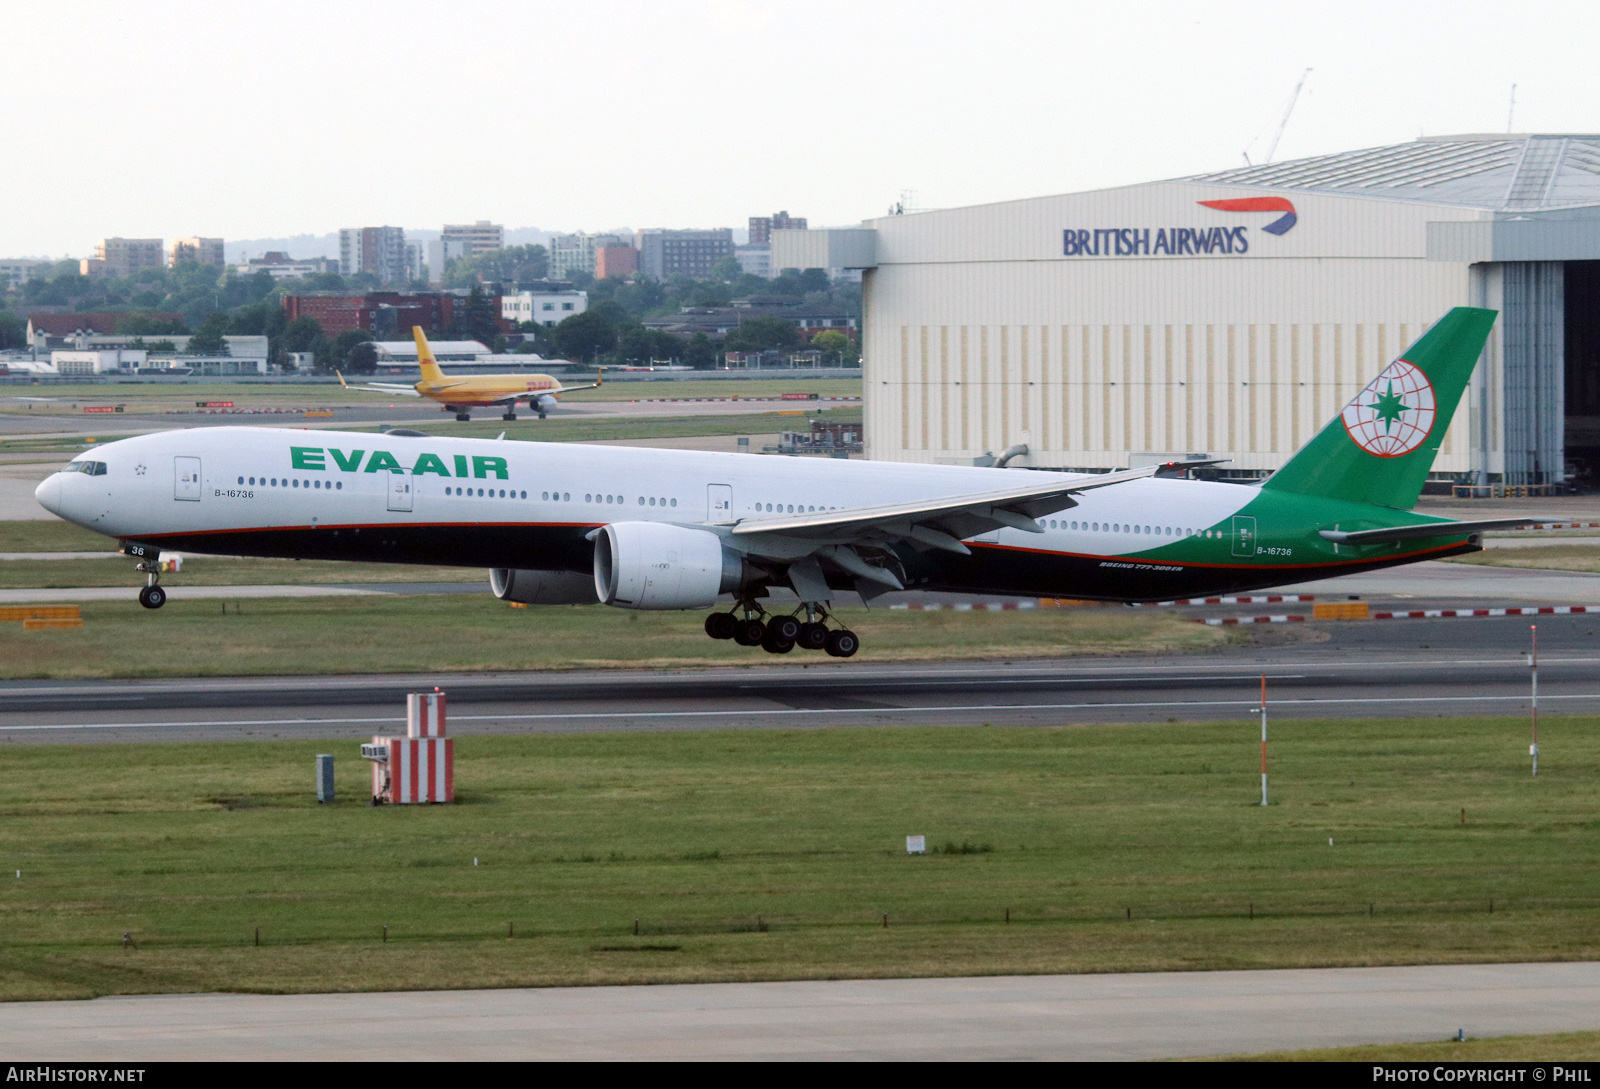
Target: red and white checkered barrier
{"type": "Point", "coordinates": [1413, 614]}
{"type": "Point", "coordinates": [420, 767]}
{"type": "Point", "coordinates": [1257, 599]}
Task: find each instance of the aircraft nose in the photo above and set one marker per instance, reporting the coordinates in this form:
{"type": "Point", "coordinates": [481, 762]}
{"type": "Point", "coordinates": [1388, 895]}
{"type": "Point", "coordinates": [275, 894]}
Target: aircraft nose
{"type": "Point", "coordinates": [48, 493]}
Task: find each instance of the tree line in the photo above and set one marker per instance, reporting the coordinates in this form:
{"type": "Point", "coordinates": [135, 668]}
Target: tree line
{"type": "Point", "coordinates": [214, 304]}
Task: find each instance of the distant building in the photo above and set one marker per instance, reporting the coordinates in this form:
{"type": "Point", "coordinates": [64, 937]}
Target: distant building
{"type": "Point", "coordinates": [440, 253]}
{"type": "Point", "coordinates": [615, 262]}
{"type": "Point", "coordinates": [755, 259]}
{"type": "Point", "coordinates": [717, 321]}
{"type": "Point", "coordinates": [445, 352]}
{"type": "Point", "coordinates": [571, 253]}
{"type": "Point", "coordinates": [280, 266]}
{"type": "Point", "coordinates": [66, 331]}
{"type": "Point", "coordinates": [761, 227]}
{"type": "Point", "coordinates": [101, 361]}
{"type": "Point", "coordinates": [476, 238]}
{"type": "Point", "coordinates": [381, 313]}
{"type": "Point", "coordinates": [16, 271]}
{"type": "Point", "coordinates": [547, 307]}
{"type": "Point", "coordinates": [381, 251]}
{"type": "Point", "coordinates": [664, 255]}
{"type": "Point", "coordinates": [202, 251]}
{"type": "Point", "coordinates": [126, 255]}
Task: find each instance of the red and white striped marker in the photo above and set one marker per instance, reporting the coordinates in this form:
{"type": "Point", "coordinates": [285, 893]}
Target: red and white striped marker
{"type": "Point", "coordinates": [1258, 599]}
{"type": "Point", "coordinates": [1414, 614]}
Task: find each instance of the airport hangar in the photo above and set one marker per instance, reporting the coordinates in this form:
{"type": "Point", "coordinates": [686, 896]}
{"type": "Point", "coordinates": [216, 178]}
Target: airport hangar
{"type": "Point", "coordinates": [1232, 314]}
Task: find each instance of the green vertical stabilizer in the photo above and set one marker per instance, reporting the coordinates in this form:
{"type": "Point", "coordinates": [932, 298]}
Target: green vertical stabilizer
{"type": "Point", "coordinates": [1380, 448]}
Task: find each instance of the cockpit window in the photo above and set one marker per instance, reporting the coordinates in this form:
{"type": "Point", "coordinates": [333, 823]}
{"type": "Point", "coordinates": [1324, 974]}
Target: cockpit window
{"type": "Point", "coordinates": [92, 468]}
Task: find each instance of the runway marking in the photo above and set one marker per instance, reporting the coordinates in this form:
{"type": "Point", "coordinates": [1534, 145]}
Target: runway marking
{"type": "Point", "coordinates": [1246, 704]}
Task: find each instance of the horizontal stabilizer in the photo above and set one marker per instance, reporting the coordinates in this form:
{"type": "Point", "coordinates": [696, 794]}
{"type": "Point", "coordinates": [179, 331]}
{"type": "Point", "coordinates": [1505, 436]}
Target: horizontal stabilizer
{"type": "Point", "coordinates": [1426, 529]}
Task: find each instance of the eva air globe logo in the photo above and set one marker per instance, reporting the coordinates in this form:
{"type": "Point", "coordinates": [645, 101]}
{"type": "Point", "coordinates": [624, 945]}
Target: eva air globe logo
{"type": "Point", "coordinates": [1392, 416]}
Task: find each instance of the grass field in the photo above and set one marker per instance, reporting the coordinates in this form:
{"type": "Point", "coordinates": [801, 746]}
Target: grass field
{"type": "Point", "coordinates": [463, 632]}
{"type": "Point", "coordinates": [766, 854]}
{"type": "Point", "coordinates": [1551, 557]}
{"type": "Point", "coordinates": [51, 534]}
{"type": "Point", "coordinates": [611, 429]}
{"type": "Point", "coordinates": [221, 571]}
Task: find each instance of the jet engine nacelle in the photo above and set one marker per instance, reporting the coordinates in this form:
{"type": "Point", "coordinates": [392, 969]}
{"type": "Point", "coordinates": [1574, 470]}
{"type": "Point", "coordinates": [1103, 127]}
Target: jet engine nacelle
{"type": "Point", "coordinates": [542, 587]}
{"type": "Point", "coordinates": [544, 402]}
{"type": "Point", "coordinates": [650, 565]}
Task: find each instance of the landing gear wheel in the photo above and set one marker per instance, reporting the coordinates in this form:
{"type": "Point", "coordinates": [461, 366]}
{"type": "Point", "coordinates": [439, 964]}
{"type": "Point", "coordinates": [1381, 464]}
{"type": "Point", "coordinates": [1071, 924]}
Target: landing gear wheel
{"type": "Point", "coordinates": [812, 636]}
{"type": "Point", "coordinates": [509, 416]}
{"type": "Point", "coordinates": [783, 629]}
{"type": "Point", "coordinates": [773, 645]}
{"type": "Point", "coordinates": [152, 597]}
{"type": "Point", "coordinates": [463, 417]}
{"type": "Point", "coordinates": [749, 633]}
{"type": "Point", "coordinates": [842, 643]}
{"type": "Point", "coordinates": [541, 415]}
{"type": "Point", "coordinates": [722, 625]}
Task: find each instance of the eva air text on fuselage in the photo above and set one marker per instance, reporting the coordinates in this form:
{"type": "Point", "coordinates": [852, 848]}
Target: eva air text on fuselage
{"type": "Point", "coordinates": [381, 461]}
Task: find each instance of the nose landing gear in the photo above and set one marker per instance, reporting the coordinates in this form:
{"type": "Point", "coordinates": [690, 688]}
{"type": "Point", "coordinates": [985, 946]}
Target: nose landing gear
{"type": "Point", "coordinates": [781, 634]}
{"type": "Point", "coordinates": [152, 596]}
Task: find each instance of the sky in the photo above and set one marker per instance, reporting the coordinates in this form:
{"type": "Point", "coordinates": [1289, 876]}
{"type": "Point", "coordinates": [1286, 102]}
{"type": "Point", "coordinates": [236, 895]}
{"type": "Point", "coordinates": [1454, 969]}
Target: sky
{"type": "Point", "coordinates": [174, 118]}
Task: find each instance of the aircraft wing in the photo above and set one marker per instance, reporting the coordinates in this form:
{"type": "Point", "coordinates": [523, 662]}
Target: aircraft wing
{"type": "Point", "coordinates": [381, 387]}
{"type": "Point", "coordinates": [1423, 529]}
{"type": "Point", "coordinates": [935, 523]}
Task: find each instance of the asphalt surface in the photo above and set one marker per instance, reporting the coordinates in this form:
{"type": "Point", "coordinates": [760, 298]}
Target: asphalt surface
{"type": "Point", "coordinates": [1099, 1017]}
{"type": "Point", "coordinates": [1400, 668]}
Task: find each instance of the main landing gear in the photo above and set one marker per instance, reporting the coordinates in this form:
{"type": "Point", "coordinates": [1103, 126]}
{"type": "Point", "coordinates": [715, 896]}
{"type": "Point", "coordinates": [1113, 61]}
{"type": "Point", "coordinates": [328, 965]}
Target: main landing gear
{"type": "Point", "coordinates": [509, 416]}
{"type": "Point", "coordinates": [152, 596]}
{"type": "Point", "coordinates": [781, 634]}
{"type": "Point", "coordinates": [464, 417]}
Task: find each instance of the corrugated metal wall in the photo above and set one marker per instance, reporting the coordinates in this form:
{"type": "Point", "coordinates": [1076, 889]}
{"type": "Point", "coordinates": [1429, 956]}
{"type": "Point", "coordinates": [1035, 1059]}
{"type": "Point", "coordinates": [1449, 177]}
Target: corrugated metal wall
{"type": "Point", "coordinates": [1104, 364]}
{"type": "Point", "coordinates": [1532, 331]}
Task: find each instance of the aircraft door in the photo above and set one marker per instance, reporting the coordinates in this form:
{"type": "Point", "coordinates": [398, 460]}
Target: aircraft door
{"type": "Point", "coordinates": [1244, 535]}
{"type": "Point", "coordinates": [719, 502]}
{"type": "Point", "coordinates": [186, 479]}
{"type": "Point", "coordinates": [401, 491]}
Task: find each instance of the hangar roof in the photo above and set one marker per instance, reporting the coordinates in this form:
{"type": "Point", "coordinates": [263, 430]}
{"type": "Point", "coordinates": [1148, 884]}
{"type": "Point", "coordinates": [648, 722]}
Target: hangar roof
{"type": "Point", "coordinates": [1502, 173]}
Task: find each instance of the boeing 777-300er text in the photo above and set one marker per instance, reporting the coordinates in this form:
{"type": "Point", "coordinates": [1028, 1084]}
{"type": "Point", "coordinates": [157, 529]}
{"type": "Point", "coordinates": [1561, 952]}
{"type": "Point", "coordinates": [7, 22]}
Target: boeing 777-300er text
{"type": "Point", "coordinates": [678, 529]}
{"type": "Point", "coordinates": [466, 392]}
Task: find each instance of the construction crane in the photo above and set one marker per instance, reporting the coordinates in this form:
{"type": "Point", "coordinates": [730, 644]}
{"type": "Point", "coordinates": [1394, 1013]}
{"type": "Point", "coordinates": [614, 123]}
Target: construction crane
{"type": "Point", "coordinates": [1272, 148]}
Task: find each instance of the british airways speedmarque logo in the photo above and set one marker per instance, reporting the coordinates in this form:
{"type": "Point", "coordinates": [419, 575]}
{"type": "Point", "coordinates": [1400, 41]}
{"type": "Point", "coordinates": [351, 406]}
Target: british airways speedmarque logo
{"type": "Point", "coordinates": [1180, 241]}
{"type": "Point", "coordinates": [1259, 204]}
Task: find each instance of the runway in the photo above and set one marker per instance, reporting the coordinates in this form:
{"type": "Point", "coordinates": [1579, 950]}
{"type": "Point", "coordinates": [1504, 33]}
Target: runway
{"type": "Point", "coordinates": [1363, 670]}
{"type": "Point", "coordinates": [1099, 1017]}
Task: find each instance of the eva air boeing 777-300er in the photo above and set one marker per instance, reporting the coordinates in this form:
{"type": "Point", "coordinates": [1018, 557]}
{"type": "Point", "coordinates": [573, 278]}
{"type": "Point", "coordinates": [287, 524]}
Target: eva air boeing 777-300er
{"type": "Point", "coordinates": [678, 529]}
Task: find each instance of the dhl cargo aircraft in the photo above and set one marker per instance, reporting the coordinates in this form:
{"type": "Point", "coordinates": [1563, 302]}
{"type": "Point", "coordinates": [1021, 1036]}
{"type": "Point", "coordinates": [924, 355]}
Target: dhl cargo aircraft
{"type": "Point", "coordinates": [469, 391]}
{"type": "Point", "coordinates": [673, 529]}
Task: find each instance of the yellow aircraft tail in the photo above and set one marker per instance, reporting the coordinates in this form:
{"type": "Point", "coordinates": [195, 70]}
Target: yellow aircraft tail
{"type": "Point", "coordinates": [425, 362]}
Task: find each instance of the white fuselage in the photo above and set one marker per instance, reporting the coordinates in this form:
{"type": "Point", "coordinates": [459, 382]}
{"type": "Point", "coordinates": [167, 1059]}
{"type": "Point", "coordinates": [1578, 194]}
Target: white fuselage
{"type": "Point", "coordinates": [225, 482]}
